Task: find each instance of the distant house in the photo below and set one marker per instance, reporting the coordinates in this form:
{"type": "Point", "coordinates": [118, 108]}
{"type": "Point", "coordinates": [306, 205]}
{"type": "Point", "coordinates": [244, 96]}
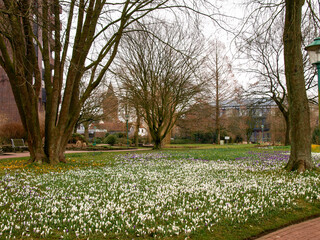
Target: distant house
{"type": "Point", "coordinates": [143, 132]}
{"type": "Point", "coordinates": [255, 115]}
{"type": "Point", "coordinates": [95, 130]}
{"type": "Point", "coordinates": [109, 122]}
{"type": "Point", "coordinates": [115, 127]}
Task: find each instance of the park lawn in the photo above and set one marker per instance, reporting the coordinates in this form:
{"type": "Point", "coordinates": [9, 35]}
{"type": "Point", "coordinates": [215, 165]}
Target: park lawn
{"type": "Point", "coordinates": [208, 146]}
{"type": "Point", "coordinates": [221, 193]}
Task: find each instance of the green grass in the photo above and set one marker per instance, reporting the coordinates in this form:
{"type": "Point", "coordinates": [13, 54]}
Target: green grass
{"type": "Point", "coordinates": [209, 146]}
{"type": "Point", "coordinates": [193, 174]}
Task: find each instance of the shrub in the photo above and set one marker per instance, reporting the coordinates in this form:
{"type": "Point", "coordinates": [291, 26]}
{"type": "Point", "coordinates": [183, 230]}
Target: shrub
{"type": "Point", "coordinates": [181, 141]}
{"type": "Point", "coordinates": [200, 137]}
{"type": "Point", "coordinates": [7, 148]}
{"type": "Point", "coordinates": [238, 139]}
{"type": "Point", "coordinates": [98, 140]}
{"type": "Point", "coordinates": [111, 139]}
{"type": "Point", "coordinates": [316, 136]}
{"type": "Point", "coordinates": [76, 137]}
{"type": "Point", "coordinates": [12, 130]}
{"type": "Point", "coordinates": [120, 135]}
{"type": "Point", "coordinates": [123, 141]}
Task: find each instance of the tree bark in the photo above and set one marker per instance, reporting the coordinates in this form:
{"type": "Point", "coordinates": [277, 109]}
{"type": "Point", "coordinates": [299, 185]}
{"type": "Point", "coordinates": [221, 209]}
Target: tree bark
{"type": "Point", "coordinates": [157, 143]}
{"type": "Point", "coordinates": [287, 133]}
{"type": "Point", "coordinates": [136, 131]}
{"type": "Point", "coordinates": [300, 155]}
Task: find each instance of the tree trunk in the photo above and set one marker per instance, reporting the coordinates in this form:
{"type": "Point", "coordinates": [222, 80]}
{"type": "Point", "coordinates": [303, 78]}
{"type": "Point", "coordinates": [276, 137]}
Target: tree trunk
{"type": "Point", "coordinates": [287, 133]}
{"type": "Point", "coordinates": [217, 101]}
{"type": "Point", "coordinates": [300, 155]}
{"type": "Point", "coordinates": [20, 60]}
{"type": "Point", "coordinates": [157, 144]}
{"type": "Point", "coordinates": [156, 137]}
{"type": "Point", "coordinates": [136, 131]}
{"type": "Point", "coordinates": [35, 146]}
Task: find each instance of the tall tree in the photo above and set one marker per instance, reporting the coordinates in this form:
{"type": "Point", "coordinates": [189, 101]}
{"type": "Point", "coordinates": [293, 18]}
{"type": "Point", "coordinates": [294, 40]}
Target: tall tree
{"type": "Point", "coordinates": [222, 81]}
{"type": "Point", "coordinates": [87, 39]}
{"type": "Point", "coordinates": [264, 52]}
{"type": "Point", "coordinates": [300, 155]}
{"type": "Point", "coordinates": [299, 119]}
{"type": "Point", "coordinates": [160, 76]}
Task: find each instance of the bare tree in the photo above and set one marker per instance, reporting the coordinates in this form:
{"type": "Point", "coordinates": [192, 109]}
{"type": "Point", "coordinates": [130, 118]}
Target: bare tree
{"type": "Point", "coordinates": [222, 82]}
{"type": "Point", "coordinates": [300, 156]}
{"type": "Point", "coordinates": [265, 62]}
{"type": "Point", "coordinates": [159, 76]}
{"type": "Point", "coordinates": [82, 36]}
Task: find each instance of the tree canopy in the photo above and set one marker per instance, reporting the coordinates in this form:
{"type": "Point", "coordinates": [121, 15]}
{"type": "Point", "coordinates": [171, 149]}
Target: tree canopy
{"type": "Point", "coordinates": [53, 43]}
{"type": "Point", "coordinates": [159, 72]}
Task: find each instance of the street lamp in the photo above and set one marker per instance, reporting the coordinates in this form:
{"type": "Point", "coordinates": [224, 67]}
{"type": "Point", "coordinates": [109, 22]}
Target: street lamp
{"type": "Point", "coordinates": [262, 126]}
{"type": "Point", "coordinates": [314, 55]}
{"type": "Point", "coordinates": [127, 119]}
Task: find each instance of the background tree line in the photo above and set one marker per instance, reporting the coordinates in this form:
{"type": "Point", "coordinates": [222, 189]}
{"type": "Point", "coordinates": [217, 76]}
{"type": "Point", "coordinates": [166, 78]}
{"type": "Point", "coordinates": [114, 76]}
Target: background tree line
{"type": "Point", "coordinates": [88, 39]}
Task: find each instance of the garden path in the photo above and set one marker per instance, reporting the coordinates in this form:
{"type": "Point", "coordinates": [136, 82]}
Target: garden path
{"type": "Point", "coordinates": [308, 230]}
{"type": "Point", "coordinates": [26, 154]}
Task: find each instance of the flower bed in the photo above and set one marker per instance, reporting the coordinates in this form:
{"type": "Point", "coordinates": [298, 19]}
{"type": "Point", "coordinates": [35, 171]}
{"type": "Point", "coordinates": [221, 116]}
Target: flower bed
{"type": "Point", "coordinates": [151, 195]}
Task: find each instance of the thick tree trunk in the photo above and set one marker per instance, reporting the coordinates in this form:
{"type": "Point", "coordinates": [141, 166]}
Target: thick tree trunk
{"type": "Point", "coordinates": [300, 155]}
{"type": "Point", "coordinates": [18, 46]}
{"type": "Point", "coordinates": [157, 144]}
{"type": "Point", "coordinates": [156, 138]}
{"type": "Point", "coordinates": [35, 146]}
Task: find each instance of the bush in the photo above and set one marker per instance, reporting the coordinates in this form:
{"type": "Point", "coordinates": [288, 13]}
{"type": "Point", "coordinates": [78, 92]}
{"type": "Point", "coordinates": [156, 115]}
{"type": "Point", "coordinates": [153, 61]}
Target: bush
{"type": "Point", "coordinates": [238, 139]}
{"type": "Point", "coordinates": [76, 137]}
{"type": "Point", "coordinates": [123, 141]}
{"type": "Point", "coordinates": [97, 140]}
{"type": "Point", "coordinates": [181, 141]}
{"type": "Point", "coordinates": [316, 136]}
{"type": "Point", "coordinates": [200, 137]}
{"type": "Point", "coordinates": [121, 135]}
{"type": "Point", "coordinates": [111, 139]}
{"type": "Point", "coordinates": [7, 148]}
{"type": "Point", "coordinates": [11, 130]}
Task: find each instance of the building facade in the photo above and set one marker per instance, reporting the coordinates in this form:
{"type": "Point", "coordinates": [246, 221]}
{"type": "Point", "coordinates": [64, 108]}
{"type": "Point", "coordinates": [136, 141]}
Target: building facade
{"type": "Point", "coordinates": [8, 109]}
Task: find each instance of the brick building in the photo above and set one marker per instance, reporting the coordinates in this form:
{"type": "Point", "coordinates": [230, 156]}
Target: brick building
{"type": "Point", "coordinates": [8, 108]}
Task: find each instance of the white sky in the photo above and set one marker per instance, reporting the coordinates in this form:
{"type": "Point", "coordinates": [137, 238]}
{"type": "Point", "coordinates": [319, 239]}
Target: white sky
{"type": "Point", "coordinates": [234, 13]}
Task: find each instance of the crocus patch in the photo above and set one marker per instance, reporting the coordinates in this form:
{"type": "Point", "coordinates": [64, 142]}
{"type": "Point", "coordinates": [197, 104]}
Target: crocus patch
{"type": "Point", "coordinates": [150, 194]}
